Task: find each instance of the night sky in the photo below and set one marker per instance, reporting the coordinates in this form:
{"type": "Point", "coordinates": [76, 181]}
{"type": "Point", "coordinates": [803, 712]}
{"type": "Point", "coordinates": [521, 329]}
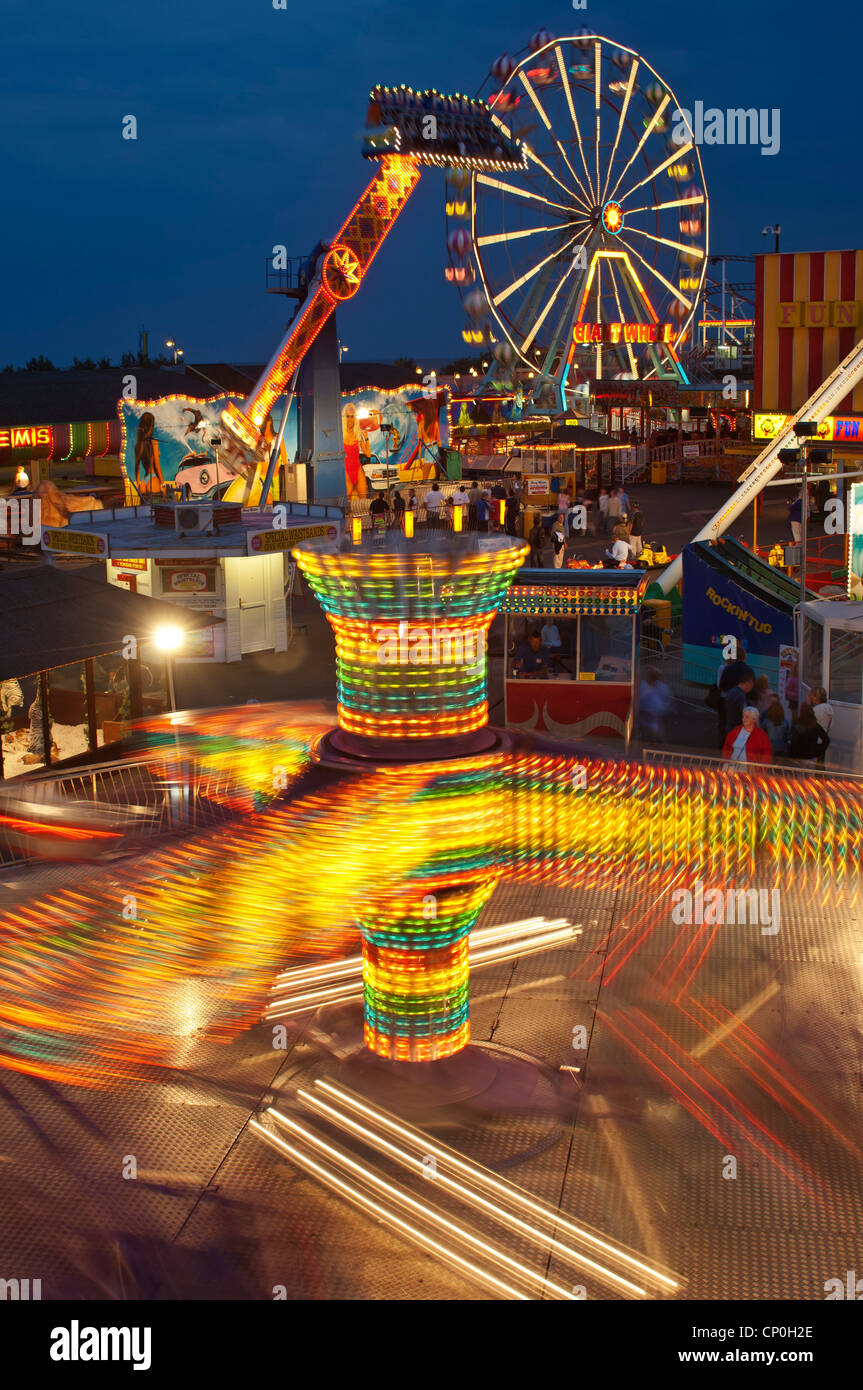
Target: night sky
{"type": "Point", "coordinates": [249, 125]}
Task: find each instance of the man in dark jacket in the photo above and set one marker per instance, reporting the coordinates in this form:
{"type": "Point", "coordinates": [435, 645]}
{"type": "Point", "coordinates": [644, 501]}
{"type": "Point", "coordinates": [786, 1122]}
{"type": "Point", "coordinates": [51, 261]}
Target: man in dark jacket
{"type": "Point", "coordinates": [537, 542]}
{"type": "Point", "coordinates": [735, 701]}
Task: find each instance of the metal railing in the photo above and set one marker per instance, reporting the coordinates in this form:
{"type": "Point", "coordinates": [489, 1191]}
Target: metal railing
{"type": "Point", "coordinates": [680, 758]}
{"type": "Point", "coordinates": [156, 796]}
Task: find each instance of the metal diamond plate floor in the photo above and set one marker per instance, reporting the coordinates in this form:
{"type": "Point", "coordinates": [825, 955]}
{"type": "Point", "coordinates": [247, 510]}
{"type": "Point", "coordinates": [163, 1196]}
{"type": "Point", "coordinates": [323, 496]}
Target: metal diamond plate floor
{"type": "Point", "coordinates": [712, 1124]}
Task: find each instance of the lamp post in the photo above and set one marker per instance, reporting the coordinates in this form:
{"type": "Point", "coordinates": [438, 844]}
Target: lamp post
{"type": "Point", "coordinates": [177, 351]}
{"type": "Point", "coordinates": [804, 430]}
{"type": "Point", "coordinates": [169, 639]}
{"type": "Point", "coordinates": [774, 232]}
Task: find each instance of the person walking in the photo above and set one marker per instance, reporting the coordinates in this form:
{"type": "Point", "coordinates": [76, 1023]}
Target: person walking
{"type": "Point", "coordinates": [460, 498]}
{"type": "Point", "coordinates": [636, 531]}
{"type": "Point", "coordinates": [536, 540]}
{"type": "Point", "coordinates": [614, 509]}
{"type": "Point", "coordinates": [747, 743]}
{"type": "Point", "coordinates": [727, 677]}
{"type": "Point", "coordinates": [473, 497]}
{"type": "Point", "coordinates": [563, 505]}
{"type": "Point", "coordinates": [578, 517]}
{"type": "Point", "coordinates": [380, 515]}
{"type": "Point", "coordinates": [434, 502]}
{"type": "Point", "coordinates": [735, 701]}
{"type": "Point", "coordinates": [777, 728]}
{"type": "Point", "coordinates": [809, 742]}
{"type": "Point", "coordinates": [602, 509]}
{"type": "Point", "coordinates": [398, 510]}
{"type": "Point", "coordinates": [655, 703]}
{"type": "Point", "coordinates": [512, 511]}
{"type": "Point", "coordinates": [764, 696]}
{"type": "Point", "coordinates": [823, 712]}
{"type": "Point", "coordinates": [483, 511]}
{"type": "Point", "coordinates": [558, 542]}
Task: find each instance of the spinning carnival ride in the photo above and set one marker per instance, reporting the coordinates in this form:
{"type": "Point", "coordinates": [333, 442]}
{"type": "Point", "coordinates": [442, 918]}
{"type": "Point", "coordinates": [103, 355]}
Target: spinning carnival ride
{"type": "Point", "coordinates": [588, 261]}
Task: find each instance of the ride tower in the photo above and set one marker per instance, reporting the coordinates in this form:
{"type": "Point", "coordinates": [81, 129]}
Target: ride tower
{"type": "Point", "coordinates": [406, 130]}
{"type": "Point", "coordinates": [410, 622]}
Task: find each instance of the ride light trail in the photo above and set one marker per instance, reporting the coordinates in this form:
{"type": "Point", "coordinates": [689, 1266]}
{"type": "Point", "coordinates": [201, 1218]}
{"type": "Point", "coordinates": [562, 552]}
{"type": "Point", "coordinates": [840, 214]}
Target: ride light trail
{"type": "Point", "coordinates": [435, 1218]}
{"type": "Point", "coordinates": [414, 1163]}
{"type": "Point", "coordinates": [303, 988]}
{"type": "Point", "coordinates": [487, 1181]}
{"type": "Point", "coordinates": [386, 1217]}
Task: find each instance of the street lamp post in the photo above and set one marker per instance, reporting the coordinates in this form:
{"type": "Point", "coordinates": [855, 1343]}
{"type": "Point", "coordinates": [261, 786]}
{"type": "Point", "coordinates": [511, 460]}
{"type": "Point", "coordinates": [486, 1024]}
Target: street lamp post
{"type": "Point", "coordinates": [804, 430]}
{"type": "Point", "coordinates": [774, 232]}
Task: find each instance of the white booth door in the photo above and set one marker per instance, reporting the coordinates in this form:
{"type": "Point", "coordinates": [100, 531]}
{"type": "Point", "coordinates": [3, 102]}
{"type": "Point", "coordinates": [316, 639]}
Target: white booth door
{"type": "Point", "coordinates": [255, 635]}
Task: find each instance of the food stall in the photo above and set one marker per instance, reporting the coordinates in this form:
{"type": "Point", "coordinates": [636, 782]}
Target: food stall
{"type": "Point", "coordinates": [591, 685]}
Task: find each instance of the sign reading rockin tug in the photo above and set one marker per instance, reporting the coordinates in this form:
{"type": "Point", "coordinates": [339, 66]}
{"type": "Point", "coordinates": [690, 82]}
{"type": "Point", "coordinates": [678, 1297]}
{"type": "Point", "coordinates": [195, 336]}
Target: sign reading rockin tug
{"type": "Point", "coordinates": [411, 644]}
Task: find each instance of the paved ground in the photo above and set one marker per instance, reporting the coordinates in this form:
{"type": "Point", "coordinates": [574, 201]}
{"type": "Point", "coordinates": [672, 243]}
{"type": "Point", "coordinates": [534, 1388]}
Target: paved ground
{"type": "Point", "coordinates": [717, 1134]}
{"type": "Point", "coordinates": [711, 1124]}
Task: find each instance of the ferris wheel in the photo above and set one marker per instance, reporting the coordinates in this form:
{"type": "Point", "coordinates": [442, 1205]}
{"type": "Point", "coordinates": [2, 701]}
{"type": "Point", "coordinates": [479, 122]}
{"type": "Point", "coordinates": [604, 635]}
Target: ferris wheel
{"type": "Point", "coordinates": [588, 261]}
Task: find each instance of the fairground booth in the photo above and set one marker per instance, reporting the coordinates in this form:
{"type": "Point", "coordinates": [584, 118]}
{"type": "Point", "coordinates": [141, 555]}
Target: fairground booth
{"type": "Point", "coordinates": [729, 591]}
{"type": "Point", "coordinates": [833, 659]}
{"type": "Point", "coordinates": [590, 621]}
{"type": "Point", "coordinates": [80, 659]}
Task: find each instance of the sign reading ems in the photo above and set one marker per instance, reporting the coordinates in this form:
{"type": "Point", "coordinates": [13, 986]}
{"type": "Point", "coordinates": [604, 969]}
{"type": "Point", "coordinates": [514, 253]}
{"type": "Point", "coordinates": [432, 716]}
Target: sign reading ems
{"type": "Point", "coordinates": [623, 333]}
{"type": "Point", "coordinates": [27, 437]}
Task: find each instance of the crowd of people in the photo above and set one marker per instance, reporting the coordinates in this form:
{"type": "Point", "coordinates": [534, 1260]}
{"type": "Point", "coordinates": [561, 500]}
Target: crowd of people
{"type": "Point", "coordinates": [752, 723]}
{"type": "Point", "coordinates": [479, 506]}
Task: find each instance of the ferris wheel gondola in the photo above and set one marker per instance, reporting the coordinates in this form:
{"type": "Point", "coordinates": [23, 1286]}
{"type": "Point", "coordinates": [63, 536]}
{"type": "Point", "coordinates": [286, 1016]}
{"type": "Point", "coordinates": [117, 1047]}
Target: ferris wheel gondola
{"type": "Point", "coordinates": [591, 258]}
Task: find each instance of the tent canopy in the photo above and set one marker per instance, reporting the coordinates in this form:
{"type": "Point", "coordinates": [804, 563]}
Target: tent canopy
{"type": "Point", "coordinates": [50, 617]}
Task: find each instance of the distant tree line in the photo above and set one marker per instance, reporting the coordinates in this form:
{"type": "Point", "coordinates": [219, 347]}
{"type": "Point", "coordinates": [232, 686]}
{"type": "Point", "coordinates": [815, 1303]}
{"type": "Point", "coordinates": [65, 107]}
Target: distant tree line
{"type": "Point", "coordinates": [87, 364]}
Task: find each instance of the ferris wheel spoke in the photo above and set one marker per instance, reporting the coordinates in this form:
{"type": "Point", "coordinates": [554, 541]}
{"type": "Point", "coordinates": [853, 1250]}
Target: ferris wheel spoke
{"type": "Point", "coordinates": [566, 87]}
{"type": "Point", "coordinates": [531, 154]}
{"type": "Point", "coordinates": [541, 318]}
{"type": "Point", "coordinates": [657, 274]}
{"type": "Point", "coordinates": [494, 240]}
{"type": "Point", "coordinates": [529, 274]}
{"type": "Point", "coordinates": [488, 182]}
{"type": "Point", "coordinates": [538, 106]}
{"type": "Point", "coordinates": [597, 87]}
{"type": "Point", "coordinates": [684, 150]}
{"type": "Point", "coordinates": [661, 207]}
{"type": "Point", "coordinates": [584, 200]}
{"type": "Point", "coordinates": [620, 124]}
{"type": "Point", "coordinates": [666, 241]}
{"type": "Point", "coordinates": [632, 363]}
{"type": "Point", "coordinates": [648, 131]}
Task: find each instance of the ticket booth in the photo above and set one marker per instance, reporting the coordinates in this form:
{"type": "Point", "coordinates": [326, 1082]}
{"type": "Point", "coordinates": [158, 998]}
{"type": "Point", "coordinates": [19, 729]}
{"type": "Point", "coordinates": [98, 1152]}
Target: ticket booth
{"type": "Point", "coordinates": [590, 622]}
{"type": "Point", "coordinates": [833, 658]}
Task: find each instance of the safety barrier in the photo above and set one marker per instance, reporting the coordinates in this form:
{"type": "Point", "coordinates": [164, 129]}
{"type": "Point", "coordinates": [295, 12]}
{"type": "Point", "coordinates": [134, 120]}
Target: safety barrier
{"type": "Point", "coordinates": [675, 758]}
{"type": "Point", "coordinates": [146, 799]}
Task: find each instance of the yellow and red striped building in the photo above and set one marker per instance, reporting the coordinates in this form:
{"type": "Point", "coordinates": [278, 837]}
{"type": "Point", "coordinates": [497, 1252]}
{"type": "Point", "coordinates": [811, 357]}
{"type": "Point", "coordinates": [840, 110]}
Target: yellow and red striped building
{"type": "Point", "coordinates": [808, 316]}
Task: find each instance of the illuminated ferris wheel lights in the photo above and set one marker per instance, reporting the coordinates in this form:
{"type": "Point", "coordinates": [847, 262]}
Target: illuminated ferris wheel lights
{"type": "Point", "coordinates": [534, 274]}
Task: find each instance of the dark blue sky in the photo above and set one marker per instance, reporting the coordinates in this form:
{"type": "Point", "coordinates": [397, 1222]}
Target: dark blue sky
{"type": "Point", "coordinates": [249, 123]}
